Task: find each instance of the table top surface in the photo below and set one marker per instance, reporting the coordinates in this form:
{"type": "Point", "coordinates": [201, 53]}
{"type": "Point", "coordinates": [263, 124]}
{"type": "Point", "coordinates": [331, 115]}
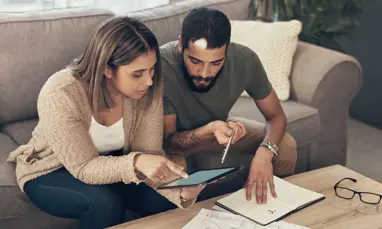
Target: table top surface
{"type": "Point", "coordinates": [332, 212]}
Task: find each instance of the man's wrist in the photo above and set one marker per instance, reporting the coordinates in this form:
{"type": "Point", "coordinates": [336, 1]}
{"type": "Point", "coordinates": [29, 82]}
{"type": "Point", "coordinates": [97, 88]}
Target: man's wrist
{"type": "Point", "coordinates": [210, 128]}
{"type": "Point", "coordinates": [266, 153]}
{"type": "Point", "coordinates": [270, 146]}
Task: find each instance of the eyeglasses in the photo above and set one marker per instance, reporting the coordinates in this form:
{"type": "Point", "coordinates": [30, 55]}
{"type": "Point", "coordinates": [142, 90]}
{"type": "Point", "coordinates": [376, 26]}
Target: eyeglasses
{"type": "Point", "coordinates": [347, 193]}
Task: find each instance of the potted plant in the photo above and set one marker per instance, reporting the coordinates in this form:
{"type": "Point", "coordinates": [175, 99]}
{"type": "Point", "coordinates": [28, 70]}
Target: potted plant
{"type": "Point", "coordinates": [323, 20]}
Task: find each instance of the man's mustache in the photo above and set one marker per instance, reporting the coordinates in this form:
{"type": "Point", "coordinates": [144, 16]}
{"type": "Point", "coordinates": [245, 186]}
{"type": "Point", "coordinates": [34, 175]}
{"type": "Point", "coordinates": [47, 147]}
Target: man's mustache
{"type": "Point", "coordinates": [199, 78]}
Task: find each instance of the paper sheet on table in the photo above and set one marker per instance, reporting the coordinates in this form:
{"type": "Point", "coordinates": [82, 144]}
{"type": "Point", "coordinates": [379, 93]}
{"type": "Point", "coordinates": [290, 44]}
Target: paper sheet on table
{"type": "Point", "coordinates": [210, 219]}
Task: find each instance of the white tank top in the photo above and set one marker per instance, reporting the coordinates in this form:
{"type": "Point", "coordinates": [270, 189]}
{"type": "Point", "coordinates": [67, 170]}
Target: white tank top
{"type": "Point", "coordinates": [107, 138]}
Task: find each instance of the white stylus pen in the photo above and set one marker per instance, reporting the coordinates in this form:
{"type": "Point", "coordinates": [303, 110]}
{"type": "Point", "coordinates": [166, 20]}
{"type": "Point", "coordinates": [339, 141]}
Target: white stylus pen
{"type": "Point", "coordinates": [227, 147]}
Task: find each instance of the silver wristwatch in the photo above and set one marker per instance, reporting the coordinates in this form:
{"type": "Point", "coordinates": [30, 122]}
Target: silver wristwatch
{"type": "Point", "coordinates": [271, 146]}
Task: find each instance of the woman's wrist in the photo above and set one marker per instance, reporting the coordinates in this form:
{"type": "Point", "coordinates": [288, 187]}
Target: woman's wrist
{"type": "Point", "coordinates": [137, 172]}
{"type": "Point", "coordinates": [184, 195]}
{"type": "Point", "coordinates": [186, 201]}
{"type": "Point", "coordinates": [183, 200]}
{"type": "Point", "coordinates": [136, 163]}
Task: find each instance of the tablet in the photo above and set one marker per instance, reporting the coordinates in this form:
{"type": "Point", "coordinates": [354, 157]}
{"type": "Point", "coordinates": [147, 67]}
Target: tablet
{"type": "Point", "coordinates": [201, 177]}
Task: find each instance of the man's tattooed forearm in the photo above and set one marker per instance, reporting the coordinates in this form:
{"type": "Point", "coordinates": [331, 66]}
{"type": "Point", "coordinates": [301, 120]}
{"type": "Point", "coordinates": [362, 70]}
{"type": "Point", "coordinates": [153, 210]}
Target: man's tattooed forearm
{"type": "Point", "coordinates": [183, 139]}
{"type": "Point", "coordinates": [188, 139]}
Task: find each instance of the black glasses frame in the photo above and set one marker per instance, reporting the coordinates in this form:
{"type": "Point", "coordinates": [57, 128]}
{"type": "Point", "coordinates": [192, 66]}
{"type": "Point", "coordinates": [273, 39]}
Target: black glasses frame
{"type": "Point", "coordinates": [336, 187]}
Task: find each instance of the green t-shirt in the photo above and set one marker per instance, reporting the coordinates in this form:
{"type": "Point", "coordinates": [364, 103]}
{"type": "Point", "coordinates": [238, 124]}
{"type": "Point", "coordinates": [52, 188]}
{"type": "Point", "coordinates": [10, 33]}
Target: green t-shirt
{"type": "Point", "coordinates": [242, 71]}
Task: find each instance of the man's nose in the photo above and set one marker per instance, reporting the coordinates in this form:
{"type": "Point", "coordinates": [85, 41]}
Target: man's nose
{"type": "Point", "coordinates": [205, 72]}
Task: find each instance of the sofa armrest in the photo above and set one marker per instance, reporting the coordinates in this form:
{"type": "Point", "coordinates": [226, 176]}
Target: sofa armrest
{"type": "Point", "coordinates": [317, 71]}
{"type": "Point", "coordinates": [327, 80]}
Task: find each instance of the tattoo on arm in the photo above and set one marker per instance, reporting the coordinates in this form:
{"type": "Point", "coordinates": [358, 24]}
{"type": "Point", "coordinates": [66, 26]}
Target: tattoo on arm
{"type": "Point", "coordinates": [184, 139]}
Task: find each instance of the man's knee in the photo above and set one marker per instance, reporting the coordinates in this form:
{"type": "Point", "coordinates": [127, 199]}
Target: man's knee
{"type": "Point", "coordinates": [288, 146]}
{"type": "Point", "coordinates": [285, 161]}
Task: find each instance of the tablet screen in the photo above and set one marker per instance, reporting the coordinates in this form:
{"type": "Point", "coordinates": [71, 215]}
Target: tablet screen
{"type": "Point", "coordinates": [201, 177]}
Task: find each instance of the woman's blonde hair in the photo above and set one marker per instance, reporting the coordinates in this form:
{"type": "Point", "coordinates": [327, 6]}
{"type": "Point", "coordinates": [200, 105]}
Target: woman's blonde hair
{"type": "Point", "coordinates": [117, 41]}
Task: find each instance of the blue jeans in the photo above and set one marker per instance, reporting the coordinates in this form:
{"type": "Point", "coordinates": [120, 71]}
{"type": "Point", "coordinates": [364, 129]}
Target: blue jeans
{"type": "Point", "coordinates": [96, 206]}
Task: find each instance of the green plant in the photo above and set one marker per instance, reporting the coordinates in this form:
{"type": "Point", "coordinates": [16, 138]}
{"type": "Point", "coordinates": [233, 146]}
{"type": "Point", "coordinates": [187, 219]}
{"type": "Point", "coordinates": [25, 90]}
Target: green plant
{"type": "Point", "coordinates": [323, 20]}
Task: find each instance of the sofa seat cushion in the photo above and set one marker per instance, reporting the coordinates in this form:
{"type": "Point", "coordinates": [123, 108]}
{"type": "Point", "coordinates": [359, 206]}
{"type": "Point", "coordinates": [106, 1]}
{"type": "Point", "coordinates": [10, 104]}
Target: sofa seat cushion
{"type": "Point", "coordinates": [20, 132]}
{"type": "Point", "coordinates": [303, 121]}
{"type": "Point", "coordinates": [10, 194]}
{"type": "Point", "coordinates": [16, 208]}
{"type": "Point", "coordinates": [7, 170]}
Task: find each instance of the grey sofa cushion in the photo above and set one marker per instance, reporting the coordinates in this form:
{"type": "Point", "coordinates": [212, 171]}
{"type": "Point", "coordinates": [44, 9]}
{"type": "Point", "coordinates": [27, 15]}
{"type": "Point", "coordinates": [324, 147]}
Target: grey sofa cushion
{"type": "Point", "coordinates": [11, 199]}
{"type": "Point", "coordinates": [35, 218]}
{"type": "Point", "coordinates": [35, 45]}
{"type": "Point", "coordinates": [165, 21]}
{"type": "Point", "coordinates": [7, 170]}
{"type": "Point", "coordinates": [16, 210]}
{"type": "Point", "coordinates": [20, 132]}
{"type": "Point", "coordinates": [303, 121]}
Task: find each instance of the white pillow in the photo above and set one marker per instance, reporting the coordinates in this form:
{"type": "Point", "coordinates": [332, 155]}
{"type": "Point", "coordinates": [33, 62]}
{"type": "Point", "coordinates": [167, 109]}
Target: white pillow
{"type": "Point", "coordinates": [275, 44]}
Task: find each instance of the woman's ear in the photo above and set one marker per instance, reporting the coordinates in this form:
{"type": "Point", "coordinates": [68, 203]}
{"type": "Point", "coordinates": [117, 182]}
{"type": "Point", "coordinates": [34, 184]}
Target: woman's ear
{"type": "Point", "coordinates": [108, 73]}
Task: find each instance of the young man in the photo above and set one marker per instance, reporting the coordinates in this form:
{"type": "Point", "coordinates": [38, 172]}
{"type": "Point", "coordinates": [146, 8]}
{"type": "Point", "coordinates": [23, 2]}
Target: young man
{"type": "Point", "coordinates": [204, 76]}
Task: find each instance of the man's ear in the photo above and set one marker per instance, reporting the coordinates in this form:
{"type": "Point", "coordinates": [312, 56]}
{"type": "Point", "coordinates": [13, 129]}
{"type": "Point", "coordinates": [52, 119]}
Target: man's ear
{"type": "Point", "coordinates": [108, 72]}
{"type": "Point", "coordinates": [180, 47]}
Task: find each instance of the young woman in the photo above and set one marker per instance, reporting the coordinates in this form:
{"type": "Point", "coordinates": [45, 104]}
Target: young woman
{"type": "Point", "coordinates": [100, 133]}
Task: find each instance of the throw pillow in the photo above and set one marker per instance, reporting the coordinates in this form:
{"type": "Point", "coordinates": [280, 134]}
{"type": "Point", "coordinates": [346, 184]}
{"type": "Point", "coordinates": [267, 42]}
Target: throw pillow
{"type": "Point", "coordinates": [275, 44]}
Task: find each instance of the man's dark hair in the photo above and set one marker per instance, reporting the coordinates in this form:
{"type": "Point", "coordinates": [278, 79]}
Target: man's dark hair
{"type": "Point", "coordinates": [210, 24]}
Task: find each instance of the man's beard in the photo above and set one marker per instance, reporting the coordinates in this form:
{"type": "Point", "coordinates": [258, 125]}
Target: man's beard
{"type": "Point", "coordinates": [211, 80]}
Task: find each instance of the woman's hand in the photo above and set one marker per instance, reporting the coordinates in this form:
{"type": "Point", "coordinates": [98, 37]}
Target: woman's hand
{"type": "Point", "coordinates": [157, 167]}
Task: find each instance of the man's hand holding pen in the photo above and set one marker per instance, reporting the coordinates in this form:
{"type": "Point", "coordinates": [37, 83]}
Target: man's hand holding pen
{"type": "Point", "coordinates": [224, 130]}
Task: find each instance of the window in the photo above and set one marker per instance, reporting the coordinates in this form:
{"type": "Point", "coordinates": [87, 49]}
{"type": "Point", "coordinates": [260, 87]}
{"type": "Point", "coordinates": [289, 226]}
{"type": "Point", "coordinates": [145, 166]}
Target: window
{"type": "Point", "coordinates": [117, 6]}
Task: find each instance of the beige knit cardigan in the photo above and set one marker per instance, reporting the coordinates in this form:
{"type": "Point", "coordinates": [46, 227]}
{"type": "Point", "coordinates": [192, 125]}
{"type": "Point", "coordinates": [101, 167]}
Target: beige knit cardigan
{"type": "Point", "coordinates": [61, 138]}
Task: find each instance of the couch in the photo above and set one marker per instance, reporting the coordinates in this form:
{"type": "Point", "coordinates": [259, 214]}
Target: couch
{"type": "Point", "coordinates": [36, 44]}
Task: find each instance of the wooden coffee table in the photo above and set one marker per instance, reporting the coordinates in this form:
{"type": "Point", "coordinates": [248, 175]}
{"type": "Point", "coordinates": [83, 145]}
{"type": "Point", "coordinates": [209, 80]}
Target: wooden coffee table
{"type": "Point", "coordinates": [333, 212]}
